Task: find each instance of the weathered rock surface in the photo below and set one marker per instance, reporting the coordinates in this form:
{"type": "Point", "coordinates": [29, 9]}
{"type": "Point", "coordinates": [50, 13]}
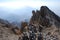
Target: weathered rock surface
{"type": "Point", "coordinates": [49, 22]}
{"type": "Point", "coordinates": [7, 34]}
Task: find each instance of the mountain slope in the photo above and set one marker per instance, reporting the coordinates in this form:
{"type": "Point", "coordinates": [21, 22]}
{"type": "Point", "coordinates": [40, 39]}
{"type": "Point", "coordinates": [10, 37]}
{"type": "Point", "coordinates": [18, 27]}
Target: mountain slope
{"type": "Point", "coordinates": [44, 25]}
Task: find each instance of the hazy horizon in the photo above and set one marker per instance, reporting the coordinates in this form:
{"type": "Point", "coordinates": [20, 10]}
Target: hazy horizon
{"type": "Point", "coordinates": [17, 9]}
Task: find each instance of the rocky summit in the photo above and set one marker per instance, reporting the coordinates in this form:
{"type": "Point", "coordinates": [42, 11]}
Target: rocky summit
{"type": "Point", "coordinates": [44, 25]}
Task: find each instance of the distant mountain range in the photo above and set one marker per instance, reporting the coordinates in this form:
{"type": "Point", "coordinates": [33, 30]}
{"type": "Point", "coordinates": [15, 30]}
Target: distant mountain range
{"type": "Point", "coordinates": [17, 15]}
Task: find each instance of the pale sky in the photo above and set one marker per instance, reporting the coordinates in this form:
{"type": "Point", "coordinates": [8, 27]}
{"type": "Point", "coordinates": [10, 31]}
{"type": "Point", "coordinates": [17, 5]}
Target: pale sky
{"type": "Point", "coordinates": [54, 5]}
{"type": "Point", "coordinates": [31, 3]}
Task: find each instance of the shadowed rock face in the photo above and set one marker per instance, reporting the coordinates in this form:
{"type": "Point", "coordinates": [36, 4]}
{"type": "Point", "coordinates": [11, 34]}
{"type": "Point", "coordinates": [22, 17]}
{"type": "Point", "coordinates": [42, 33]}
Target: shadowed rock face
{"type": "Point", "coordinates": [48, 21]}
{"type": "Point", "coordinates": [44, 17]}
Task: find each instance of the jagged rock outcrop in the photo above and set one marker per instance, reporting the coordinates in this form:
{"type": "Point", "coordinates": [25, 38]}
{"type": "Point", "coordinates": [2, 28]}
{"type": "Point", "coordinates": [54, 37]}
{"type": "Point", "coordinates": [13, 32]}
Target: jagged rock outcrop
{"type": "Point", "coordinates": [44, 25]}
{"type": "Point", "coordinates": [44, 17]}
{"type": "Point", "coordinates": [48, 21]}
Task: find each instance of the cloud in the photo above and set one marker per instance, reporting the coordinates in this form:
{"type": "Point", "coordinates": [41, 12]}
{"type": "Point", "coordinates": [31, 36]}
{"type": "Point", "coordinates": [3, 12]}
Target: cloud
{"type": "Point", "coordinates": [28, 0]}
{"type": "Point", "coordinates": [21, 4]}
{"type": "Point", "coordinates": [31, 3]}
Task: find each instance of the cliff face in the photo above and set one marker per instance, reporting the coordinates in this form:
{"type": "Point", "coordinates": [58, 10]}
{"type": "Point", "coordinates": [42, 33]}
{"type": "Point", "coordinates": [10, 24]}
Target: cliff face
{"type": "Point", "coordinates": [48, 21]}
{"type": "Point", "coordinates": [44, 25]}
{"type": "Point", "coordinates": [45, 17]}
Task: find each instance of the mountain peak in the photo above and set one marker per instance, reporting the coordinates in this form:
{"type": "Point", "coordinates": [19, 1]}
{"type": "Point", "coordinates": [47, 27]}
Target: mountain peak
{"type": "Point", "coordinates": [44, 16]}
{"type": "Point", "coordinates": [45, 7]}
